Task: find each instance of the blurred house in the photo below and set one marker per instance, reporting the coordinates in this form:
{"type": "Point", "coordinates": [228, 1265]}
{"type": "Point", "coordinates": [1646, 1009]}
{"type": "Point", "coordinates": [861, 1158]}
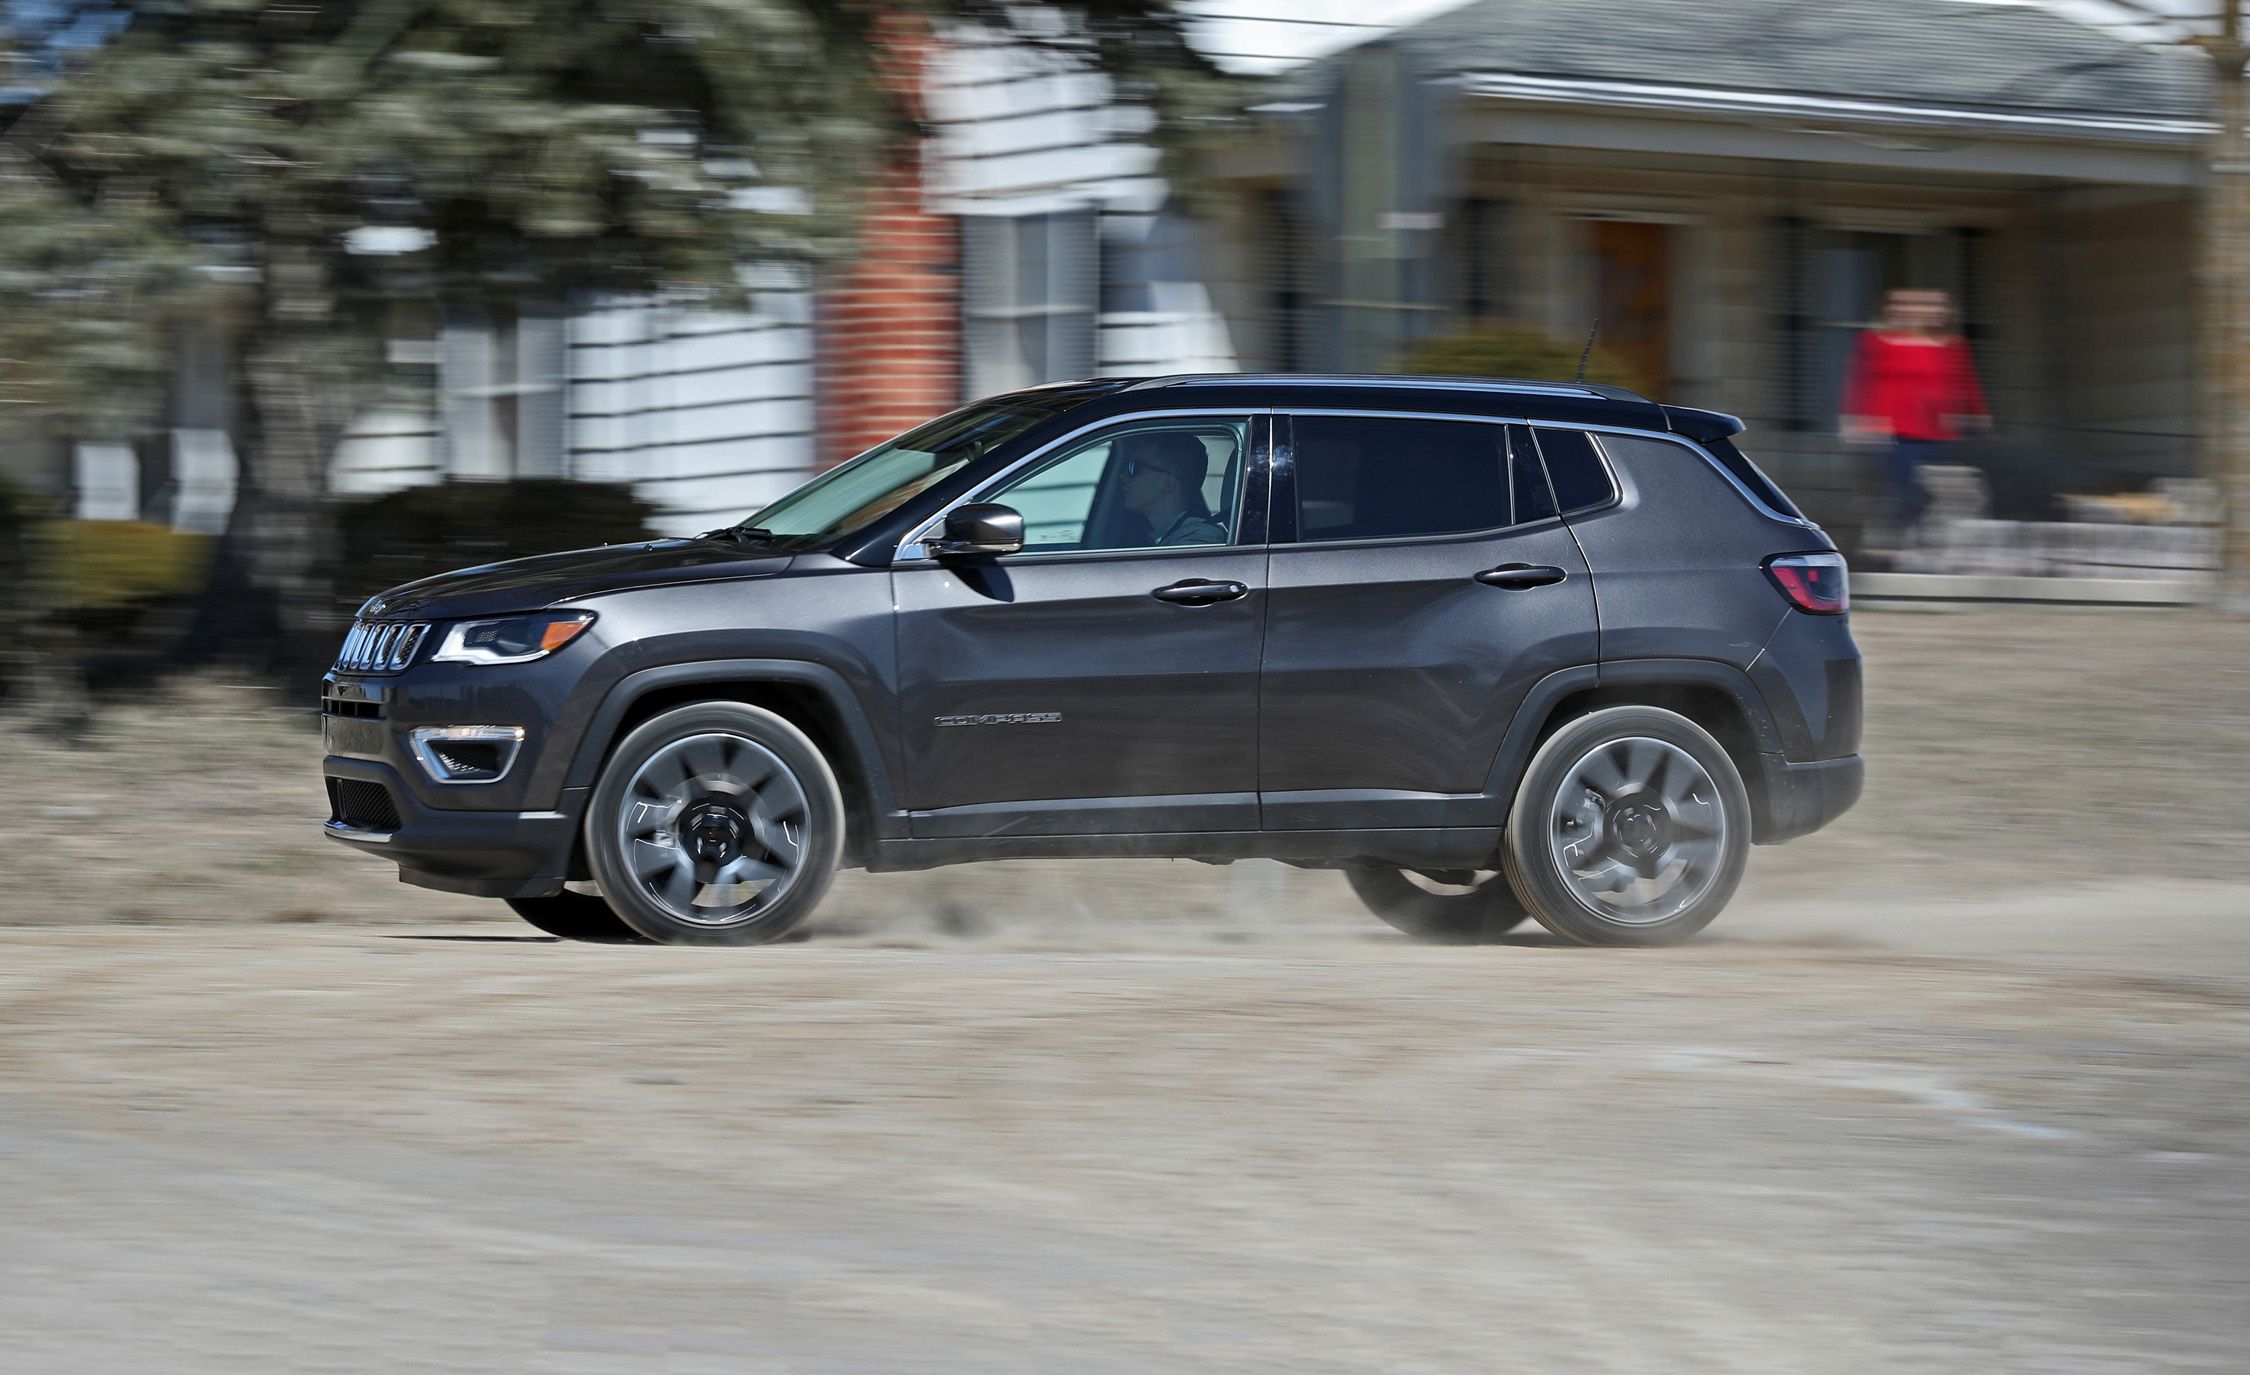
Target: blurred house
{"type": "Point", "coordinates": [1728, 188]}
{"type": "Point", "coordinates": [1730, 193]}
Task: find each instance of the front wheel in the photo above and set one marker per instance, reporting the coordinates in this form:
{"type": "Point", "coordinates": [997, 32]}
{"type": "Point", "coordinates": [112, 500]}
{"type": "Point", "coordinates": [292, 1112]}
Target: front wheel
{"type": "Point", "coordinates": [715, 824]}
{"type": "Point", "coordinates": [1631, 827]}
{"type": "Point", "coordinates": [1442, 906]}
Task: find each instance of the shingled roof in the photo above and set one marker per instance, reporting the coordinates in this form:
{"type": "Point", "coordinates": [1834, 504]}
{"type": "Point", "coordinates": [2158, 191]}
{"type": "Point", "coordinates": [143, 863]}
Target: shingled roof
{"type": "Point", "coordinates": [1970, 53]}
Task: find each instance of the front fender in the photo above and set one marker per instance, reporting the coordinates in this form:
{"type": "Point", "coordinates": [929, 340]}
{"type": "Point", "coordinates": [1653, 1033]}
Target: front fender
{"type": "Point", "coordinates": [835, 691]}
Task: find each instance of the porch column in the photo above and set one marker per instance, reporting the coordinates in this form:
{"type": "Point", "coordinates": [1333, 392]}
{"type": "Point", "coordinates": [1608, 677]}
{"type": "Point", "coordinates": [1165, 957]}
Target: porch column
{"type": "Point", "coordinates": [2223, 277]}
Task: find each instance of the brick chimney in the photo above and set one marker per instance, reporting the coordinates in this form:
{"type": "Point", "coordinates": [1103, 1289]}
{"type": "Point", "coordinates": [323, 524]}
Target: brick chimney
{"type": "Point", "coordinates": [888, 331]}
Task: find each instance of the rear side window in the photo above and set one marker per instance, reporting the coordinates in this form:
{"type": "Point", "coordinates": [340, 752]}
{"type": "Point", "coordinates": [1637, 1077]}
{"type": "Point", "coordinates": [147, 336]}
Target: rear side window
{"type": "Point", "coordinates": [1377, 477]}
{"type": "Point", "coordinates": [1581, 482]}
{"type": "Point", "coordinates": [1746, 473]}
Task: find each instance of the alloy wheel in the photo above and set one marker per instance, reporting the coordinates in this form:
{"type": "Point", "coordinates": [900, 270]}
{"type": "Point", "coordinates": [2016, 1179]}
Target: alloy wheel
{"type": "Point", "coordinates": [1638, 830]}
{"type": "Point", "coordinates": [712, 829]}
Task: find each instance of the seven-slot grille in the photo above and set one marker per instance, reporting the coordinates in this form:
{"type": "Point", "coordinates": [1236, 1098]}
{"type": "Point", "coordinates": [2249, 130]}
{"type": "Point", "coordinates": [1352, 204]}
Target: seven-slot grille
{"type": "Point", "coordinates": [381, 646]}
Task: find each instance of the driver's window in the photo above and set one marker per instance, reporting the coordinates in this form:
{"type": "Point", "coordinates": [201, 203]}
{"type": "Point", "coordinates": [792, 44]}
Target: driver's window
{"type": "Point", "coordinates": [1155, 484]}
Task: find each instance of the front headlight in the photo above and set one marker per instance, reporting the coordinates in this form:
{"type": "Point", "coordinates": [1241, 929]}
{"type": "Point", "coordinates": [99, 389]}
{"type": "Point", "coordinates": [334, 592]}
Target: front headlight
{"type": "Point", "coordinates": [512, 640]}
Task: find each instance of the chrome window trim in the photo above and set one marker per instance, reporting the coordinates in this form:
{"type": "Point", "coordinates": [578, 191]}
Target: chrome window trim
{"type": "Point", "coordinates": [915, 547]}
{"type": "Point", "coordinates": [1389, 414]}
{"type": "Point", "coordinates": [1458, 536]}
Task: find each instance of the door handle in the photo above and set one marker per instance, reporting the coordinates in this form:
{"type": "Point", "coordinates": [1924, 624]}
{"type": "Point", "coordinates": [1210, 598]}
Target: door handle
{"type": "Point", "coordinates": [1200, 592]}
{"type": "Point", "coordinates": [1517, 575]}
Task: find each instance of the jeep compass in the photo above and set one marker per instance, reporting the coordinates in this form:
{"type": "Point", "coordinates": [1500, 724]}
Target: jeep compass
{"type": "Point", "coordinates": [1491, 649]}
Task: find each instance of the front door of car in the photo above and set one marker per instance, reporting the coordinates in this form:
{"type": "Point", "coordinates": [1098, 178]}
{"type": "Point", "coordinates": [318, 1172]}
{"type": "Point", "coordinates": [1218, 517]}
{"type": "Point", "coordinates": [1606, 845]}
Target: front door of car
{"type": "Point", "coordinates": [1420, 585]}
{"type": "Point", "coordinates": [1104, 680]}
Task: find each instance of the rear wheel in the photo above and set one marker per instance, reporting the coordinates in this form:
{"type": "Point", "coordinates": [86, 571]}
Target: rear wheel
{"type": "Point", "coordinates": [1442, 906]}
{"type": "Point", "coordinates": [576, 917]}
{"type": "Point", "coordinates": [1631, 827]}
{"type": "Point", "coordinates": [715, 824]}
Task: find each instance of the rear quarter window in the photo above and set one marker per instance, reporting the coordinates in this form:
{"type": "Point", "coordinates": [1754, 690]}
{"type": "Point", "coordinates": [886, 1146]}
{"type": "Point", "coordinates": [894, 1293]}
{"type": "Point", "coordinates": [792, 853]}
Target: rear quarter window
{"type": "Point", "coordinates": [1575, 469]}
{"type": "Point", "coordinates": [1746, 473]}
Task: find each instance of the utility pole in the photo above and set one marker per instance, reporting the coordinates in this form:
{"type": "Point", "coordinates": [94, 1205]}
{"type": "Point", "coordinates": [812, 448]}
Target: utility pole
{"type": "Point", "coordinates": [2223, 286]}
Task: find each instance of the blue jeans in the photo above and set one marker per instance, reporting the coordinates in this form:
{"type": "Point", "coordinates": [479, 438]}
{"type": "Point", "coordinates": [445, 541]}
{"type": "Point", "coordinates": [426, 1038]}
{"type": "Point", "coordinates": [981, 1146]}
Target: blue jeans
{"type": "Point", "coordinates": [1905, 499]}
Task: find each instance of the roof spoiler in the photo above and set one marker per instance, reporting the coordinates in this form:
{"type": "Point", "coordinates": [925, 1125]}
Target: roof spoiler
{"type": "Point", "coordinates": [1703, 426]}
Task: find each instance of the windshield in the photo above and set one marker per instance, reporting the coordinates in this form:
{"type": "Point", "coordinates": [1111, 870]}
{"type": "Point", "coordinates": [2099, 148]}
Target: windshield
{"type": "Point", "coordinates": [877, 482]}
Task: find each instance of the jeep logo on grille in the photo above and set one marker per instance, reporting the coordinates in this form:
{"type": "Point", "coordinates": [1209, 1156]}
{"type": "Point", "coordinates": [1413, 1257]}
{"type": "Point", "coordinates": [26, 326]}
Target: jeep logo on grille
{"type": "Point", "coordinates": [1003, 718]}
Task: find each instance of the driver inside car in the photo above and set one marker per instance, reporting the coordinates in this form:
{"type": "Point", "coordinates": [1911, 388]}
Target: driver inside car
{"type": "Point", "coordinates": [1164, 473]}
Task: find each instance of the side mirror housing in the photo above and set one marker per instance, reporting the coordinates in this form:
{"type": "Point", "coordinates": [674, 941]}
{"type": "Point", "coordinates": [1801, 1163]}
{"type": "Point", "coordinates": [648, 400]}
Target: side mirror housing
{"type": "Point", "coordinates": [981, 527]}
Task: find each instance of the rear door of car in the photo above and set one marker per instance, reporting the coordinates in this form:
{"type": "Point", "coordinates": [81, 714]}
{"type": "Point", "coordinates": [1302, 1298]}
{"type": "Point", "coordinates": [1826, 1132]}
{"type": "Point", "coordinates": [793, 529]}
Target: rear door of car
{"type": "Point", "coordinates": [1420, 584]}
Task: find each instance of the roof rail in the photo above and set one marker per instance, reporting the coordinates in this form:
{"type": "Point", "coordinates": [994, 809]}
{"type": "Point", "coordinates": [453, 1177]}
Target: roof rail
{"type": "Point", "coordinates": [1342, 379]}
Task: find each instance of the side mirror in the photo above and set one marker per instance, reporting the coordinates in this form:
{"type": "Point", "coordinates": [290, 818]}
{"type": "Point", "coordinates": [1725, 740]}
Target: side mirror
{"type": "Point", "coordinates": [981, 527]}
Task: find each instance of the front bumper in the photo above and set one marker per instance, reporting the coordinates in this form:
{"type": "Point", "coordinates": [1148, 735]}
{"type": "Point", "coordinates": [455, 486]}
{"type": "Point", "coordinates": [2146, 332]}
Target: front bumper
{"type": "Point", "coordinates": [492, 854]}
{"type": "Point", "coordinates": [1798, 799]}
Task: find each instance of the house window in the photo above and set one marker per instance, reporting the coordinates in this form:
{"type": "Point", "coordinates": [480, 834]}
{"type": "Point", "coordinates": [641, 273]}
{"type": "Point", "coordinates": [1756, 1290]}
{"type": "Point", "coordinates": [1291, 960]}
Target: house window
{"type": "Point", "coordinates": [1030, 288]}
{"type": "Point", "coordinates": [500, 382]}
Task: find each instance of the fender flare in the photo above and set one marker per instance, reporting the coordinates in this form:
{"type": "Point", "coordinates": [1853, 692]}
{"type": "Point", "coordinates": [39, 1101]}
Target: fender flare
{"type": "Point", "coordinates": [859, 734]}
{"type": "Point", "coordinates": [1546, 694]}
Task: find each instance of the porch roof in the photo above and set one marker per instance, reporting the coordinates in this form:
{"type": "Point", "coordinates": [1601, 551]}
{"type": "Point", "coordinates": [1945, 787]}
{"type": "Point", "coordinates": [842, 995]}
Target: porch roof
{"type": "Point", "coordinates": [1977, 86]}
{"type": "Point", "coordinates": [1973, 53]}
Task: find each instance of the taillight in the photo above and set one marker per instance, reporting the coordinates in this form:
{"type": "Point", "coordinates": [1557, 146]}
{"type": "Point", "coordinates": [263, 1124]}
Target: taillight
{"type": "Point", "coordinates": [1818, 583]}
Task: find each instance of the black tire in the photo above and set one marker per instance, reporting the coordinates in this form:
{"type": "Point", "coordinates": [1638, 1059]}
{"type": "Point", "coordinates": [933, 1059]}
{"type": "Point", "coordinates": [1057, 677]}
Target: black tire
{"type": "Point", "coordinates": [1482, 912]}
{"type": "Point", "coordinates": [759, 756]}
{"type": "Point", "coordinates": [576, 917]}
{"type": "Point", "coordinates": [1707, 829]}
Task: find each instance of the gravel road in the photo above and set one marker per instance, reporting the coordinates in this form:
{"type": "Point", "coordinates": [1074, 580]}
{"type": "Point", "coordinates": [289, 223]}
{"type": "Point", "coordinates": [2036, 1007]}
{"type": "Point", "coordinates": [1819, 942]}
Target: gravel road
{"type": "Point", "coordinates": [1307, 1147]}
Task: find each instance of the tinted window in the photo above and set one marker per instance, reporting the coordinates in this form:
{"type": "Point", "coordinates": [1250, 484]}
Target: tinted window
{"type": "Point", "coordinates": [1746, 472]}
{"type": "Point", "coordinates": [1368, 477]}
{"type": "Point", "coordinates": [1575, 469]}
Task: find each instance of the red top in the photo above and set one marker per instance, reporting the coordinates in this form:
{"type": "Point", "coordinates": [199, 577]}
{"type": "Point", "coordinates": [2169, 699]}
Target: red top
{"type": "Point", "coordinates": [1912, 388]}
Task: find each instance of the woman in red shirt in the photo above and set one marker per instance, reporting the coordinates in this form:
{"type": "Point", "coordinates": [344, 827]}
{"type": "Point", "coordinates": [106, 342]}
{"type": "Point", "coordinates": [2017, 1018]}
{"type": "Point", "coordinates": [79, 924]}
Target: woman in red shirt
{"type": "Point", "coordinates": [1912, 386]}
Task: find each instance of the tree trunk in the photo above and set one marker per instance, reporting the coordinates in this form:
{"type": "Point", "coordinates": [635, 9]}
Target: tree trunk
{"type": "Point", "coordinates": [268, 602]}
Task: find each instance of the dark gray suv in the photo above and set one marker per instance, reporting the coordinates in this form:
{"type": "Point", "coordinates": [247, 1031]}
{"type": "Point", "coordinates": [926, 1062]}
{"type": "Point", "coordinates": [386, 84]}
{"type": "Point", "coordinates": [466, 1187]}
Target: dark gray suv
{"type": "Point", "coordinates": [1491, 649]}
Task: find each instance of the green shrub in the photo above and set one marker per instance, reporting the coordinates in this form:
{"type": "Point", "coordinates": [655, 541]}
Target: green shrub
{"type": "Point", "coordinates": [1518, 351]}
{"type": "Point", "coordinates": [102, 565]}
{"type": "Point", "coordinates": [419, 531]}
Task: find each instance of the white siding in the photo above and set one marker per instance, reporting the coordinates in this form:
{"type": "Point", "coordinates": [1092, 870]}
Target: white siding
{"type": "Point", "coordinates": [709, 415]}
{"type": "Point", "coordinates": [387, 448]}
